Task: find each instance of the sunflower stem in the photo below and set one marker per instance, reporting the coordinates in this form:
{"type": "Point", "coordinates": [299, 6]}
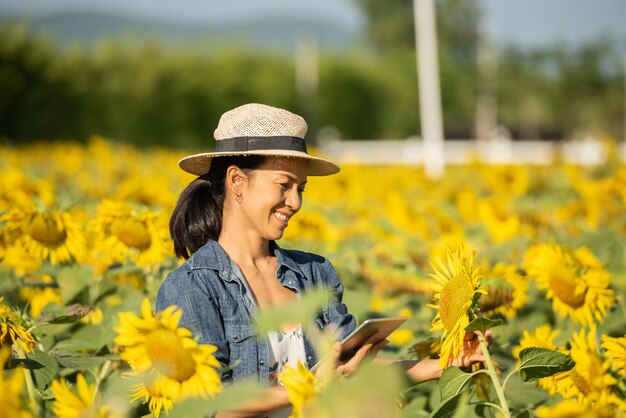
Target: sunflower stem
{"type": "Point", "coordinates": [30, 385]}
{"type": "Point", "coordinates": [494, 377]}
{"type": "Point", "coordinates": [506, 379]}
{"type": "Point", "coordinates": [104, 371]}
{"type": "Point", "coordinates": [495, 406]}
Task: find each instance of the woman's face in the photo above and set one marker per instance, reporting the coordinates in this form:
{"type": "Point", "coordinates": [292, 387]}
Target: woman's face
{"type": "Point", "coordinates": [272, 194]}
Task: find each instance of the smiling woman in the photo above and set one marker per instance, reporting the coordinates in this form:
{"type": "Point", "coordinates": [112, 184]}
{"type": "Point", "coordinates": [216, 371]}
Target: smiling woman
{"type": "Point", "coordinates": [225, 225]}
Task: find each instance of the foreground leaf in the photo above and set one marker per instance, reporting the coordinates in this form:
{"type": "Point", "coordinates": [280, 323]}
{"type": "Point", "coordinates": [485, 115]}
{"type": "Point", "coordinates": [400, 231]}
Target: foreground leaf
{"type": "Point", "coordinates": [44, 368]}
{"type": "Point", "coordinates": [483, 324]}
{"type": "Point", "coordinates": [448, 409]}
{"type": "Point", "coordinates": [537, 362]}
{"type": "Point", "coordinates": [453, 381]}
{"type": "Point", "coordinates": [296, 312]}
{"type": "Point", "coordinates": [229, 399]}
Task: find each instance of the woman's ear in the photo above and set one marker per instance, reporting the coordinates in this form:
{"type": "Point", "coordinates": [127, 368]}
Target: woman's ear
{"type": "Point", "coordinates": [234, 180]}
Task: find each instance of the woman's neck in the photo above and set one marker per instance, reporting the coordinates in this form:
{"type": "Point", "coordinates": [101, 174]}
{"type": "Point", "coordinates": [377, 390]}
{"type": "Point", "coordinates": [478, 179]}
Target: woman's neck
{"type": "Point", "coordinates": [244, 249]}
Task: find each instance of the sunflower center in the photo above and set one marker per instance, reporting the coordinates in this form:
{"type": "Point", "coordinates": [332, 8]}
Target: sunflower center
{"type": "Point", "coordinates": [132, 232]}
{"type": "Point", "coordinates": [453, 301]}
{"type": "Point", "coordinates": [496, 297]}
{"type": "Point", "coordinates": [44, 229]}
{"type": "Point", "coordinates": [167, 353]}
{"type": "Point", "coordinates": [580, 382]}
{"type": "Point", "coordinates": [564, 287]}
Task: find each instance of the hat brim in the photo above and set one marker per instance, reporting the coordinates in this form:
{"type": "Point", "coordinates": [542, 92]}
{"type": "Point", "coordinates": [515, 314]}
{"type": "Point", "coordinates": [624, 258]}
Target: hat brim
{"type": "Point", "coordinates": [199, 164]}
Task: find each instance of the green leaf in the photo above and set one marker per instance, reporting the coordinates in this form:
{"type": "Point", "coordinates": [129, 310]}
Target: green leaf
{"type": "Point", "coordinates": [483, 324]}
{"type": "Point", "coordinates": [537, 362]}
{"type": "Point", "coordinates": [524, 414]}
{"type": "Point", "coordinates": [78, 361]}
{"type": "Point", "coordinates": [453, 381]}
{"type": "Point", "coordinates": [296, 312]}
{"type": "Point", "coordinates": [44, 368]}
{"type": "Point", "coordinates": [449, 408]}
{"type": "Point", "coordinates": [230, 398]}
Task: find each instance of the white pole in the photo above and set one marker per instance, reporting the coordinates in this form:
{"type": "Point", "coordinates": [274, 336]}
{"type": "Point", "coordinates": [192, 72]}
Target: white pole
{"type": "Point", "coordinates": [428, 81]}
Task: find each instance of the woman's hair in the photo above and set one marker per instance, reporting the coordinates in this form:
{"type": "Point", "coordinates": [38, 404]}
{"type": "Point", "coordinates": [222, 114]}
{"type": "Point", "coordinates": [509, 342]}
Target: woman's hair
{"type": "Point", "coordinates": [197, 216]}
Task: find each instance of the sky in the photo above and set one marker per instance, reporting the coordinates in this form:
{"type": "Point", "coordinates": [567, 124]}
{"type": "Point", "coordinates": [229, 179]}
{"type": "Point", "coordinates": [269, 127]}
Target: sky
{"type": "Point", "coordinates": [521, 22]}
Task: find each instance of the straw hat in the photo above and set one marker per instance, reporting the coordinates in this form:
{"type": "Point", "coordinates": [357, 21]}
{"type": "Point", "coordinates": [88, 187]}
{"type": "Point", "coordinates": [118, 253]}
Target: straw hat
{"type": "Point", "coordinates": [257, 129]}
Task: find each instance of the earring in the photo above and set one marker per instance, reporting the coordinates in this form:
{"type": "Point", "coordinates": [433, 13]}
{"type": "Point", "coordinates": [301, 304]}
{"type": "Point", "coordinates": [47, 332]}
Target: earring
{"type": "Point", "coordinates": [238, 197]}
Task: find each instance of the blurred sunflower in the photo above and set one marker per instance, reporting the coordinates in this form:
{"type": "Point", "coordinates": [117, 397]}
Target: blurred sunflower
{"type": "Point", "coordinates": [151, 394]}
{"type": "Point", "coordinates": [17, 190]}
{"type": "Point", "coordinates": [576, 281]}
{"type": "Point", "coordinates": [11, 332]}
{"type": "Point", "coordinates": [302, 387]}
{"type": "Point", "coordinates": [428, 348]}
{"type": "Point", "coordinates": [616, 350]}
{"type": "Point", "coordinates": [570, 408]}
{"type": "Point", "coordinates": [543, 337]}
{"type": "Point", "coordinates": [46, 235]}
{"type": "Point", "coordinates": [68, 404]}
{"type": "Point", "coordinates": [39, 291]}
{"type": "Point", "coordinates": [499, 218]}
{"type": "Point", "coordinates": [121, 233]}
{"type": "Point", "coordinates": [590, 380]}
{"type": "Point", "coordinates": [11, 389]}
{"type": "Point", "coordinates": [176, 366]}
{"type": "Point", "coordinates": [507, 291]}
{"type": "Point", "coordinates": [457, 290]}
{"type": "Point", "coordinates": [314, 226]}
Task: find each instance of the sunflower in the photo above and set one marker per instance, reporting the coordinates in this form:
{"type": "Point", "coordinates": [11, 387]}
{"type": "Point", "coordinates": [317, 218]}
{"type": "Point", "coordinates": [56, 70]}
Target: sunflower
{"type": "Point", "coordinates": [121, 233]}
{"type": "Point", "coordinates": [590, 380]}
{"type": "Point", "coordinates": [498, 218]}
{"type": "Point", "coordinates": [507, 291]}
{"type": "Point", "coordinates": [616, 350]}
{"type": "Point", "coordinates": [16, 257]}
{"type": "Point", "coordinates": [11, 389]}
{"type": "Point", "coordinates": [570, 408]}
{"type": "Point", "coordinates": [543, 337]}
{"type": "Point", "coordinates": [575, 280]}
{"type": "Point", "coordinates": [17, 190]}
{"type": "Point", "coordinates": [174, 365]}
{"type": "Point", "coordinates": [11, 332]}
{"type": "Point", "coordinates": [302, 387]}
{"type": "Point", "coordinates": [68, 404]}
{"type": "Point", "coordinates": [457, 290]}
{"type": "Point", "coordinates": [46, 235]}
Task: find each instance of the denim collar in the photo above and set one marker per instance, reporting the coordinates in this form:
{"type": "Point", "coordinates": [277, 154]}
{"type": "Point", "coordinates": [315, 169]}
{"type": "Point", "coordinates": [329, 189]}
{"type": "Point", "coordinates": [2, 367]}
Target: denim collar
{"type": "Point", "coordinates": [211, 255]}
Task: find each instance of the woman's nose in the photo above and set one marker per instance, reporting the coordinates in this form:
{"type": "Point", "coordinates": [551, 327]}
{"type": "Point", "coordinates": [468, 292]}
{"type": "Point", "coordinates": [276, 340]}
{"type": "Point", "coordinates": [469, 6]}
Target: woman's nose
{"type": "Point", "coordinates": [294, 200]}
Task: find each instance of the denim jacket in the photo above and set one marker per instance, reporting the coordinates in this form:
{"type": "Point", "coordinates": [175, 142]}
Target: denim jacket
{"type": "Point", "coordinates": [218, 310]}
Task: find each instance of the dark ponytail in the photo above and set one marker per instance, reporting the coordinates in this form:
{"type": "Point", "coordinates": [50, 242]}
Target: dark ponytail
{"type": "Point", "coordinates": [197, 216]}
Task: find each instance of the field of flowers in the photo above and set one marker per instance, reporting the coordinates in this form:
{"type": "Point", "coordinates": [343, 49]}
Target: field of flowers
{"type": "Point", "coordinates": [84, 246]}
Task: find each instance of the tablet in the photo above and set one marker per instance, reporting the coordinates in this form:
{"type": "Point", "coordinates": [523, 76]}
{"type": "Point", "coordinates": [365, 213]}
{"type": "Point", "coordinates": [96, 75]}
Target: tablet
{"type": "Point", "coordinates": [381, 327]}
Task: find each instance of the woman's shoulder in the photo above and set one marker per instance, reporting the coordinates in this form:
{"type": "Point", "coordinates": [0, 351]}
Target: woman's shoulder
{"type": "Point", "coordinates": [309, 264]}
{"type": "Point", "coordinates": [304, 257]}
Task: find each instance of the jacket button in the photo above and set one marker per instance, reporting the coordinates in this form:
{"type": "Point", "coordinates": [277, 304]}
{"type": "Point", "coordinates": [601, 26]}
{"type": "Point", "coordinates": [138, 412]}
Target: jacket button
{"type": "Point", "coordinates": [309, 358]}
{"type": "Point", "coordinates": [262, 362]}
{"type": "Point", "coordinates": [235, 337]}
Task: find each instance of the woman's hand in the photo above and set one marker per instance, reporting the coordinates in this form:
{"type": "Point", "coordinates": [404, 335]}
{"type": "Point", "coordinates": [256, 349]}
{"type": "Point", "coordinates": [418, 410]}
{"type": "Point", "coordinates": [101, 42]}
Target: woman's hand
{"type": "Point", "coordinates": [367, 351]}
{"type": "Point", "coordinates": [471, 352]}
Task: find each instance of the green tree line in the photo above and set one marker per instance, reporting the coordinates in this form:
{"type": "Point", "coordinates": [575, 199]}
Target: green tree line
{"type": "Point", "coordinates": [149, 96]}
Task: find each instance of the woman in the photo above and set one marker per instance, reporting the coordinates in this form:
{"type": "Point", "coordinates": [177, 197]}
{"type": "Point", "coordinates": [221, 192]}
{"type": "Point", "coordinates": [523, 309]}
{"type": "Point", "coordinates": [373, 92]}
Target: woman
{"type": "Point", "coordinates": [226, 223]}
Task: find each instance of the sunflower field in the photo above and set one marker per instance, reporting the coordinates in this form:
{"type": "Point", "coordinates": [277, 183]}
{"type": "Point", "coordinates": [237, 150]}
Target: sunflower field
{"type": "Point", "coordinates": [536, 254]}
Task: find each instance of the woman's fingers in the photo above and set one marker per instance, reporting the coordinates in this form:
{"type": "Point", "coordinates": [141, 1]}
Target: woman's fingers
{"type": "Point", "coordinates": [371, 347]}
